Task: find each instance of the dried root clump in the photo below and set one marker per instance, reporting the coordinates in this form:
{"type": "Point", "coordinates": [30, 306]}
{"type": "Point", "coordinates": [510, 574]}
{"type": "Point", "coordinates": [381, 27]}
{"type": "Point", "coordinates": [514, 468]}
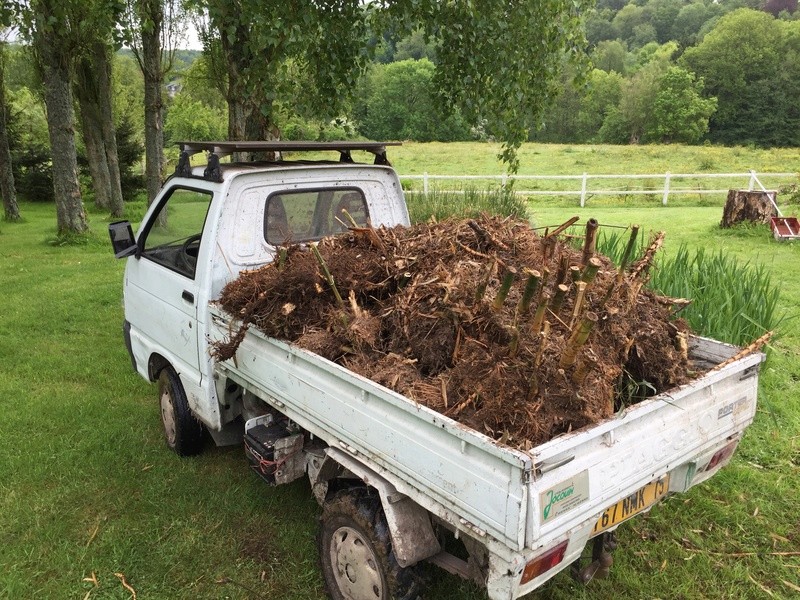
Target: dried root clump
{"type": "Point", "coordinates": [517, 335]}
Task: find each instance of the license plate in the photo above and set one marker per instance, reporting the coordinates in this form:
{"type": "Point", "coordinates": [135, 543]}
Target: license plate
{"type": "Point", "coordinates": [637, 502]}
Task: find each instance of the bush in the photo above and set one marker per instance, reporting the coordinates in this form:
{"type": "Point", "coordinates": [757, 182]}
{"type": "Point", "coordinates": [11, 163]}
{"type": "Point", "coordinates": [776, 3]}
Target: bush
{"type": "Point", "coordinates": [468, 202]}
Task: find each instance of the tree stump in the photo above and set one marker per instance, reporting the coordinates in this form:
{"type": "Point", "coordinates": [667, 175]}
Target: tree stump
{"type": "Point", "coordinates": [744, 205]}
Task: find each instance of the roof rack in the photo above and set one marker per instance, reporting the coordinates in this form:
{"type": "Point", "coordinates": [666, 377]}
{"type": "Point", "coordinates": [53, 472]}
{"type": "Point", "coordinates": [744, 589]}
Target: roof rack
{"type": "Point", "coordinates": [219, 149]}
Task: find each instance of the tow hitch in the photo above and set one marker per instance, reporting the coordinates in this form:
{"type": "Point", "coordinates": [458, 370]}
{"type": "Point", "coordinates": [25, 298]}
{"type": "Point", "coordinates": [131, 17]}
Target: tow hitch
{"type": "Point", "coordinates": [601, 561]}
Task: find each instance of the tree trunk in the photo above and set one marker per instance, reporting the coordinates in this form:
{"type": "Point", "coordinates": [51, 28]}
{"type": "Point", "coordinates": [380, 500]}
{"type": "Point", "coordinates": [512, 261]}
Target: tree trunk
{"type": "Point", "coordinates": [71, 217]}
{"type": "Point", "coordinates": [93, 90]}
{"type": "Point", "coordinates": [7, 188]}
{"type": "Point", "coordinates": [92, 137]}
{"type": "Point", "coordinates": [744, 205]}
{"type": "Point", "coordinates": [153, 15]}
{"type": "Point", "coordinates": [102, 64]}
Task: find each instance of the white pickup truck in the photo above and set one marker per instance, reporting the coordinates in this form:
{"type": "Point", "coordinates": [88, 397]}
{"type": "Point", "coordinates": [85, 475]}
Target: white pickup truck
{"type": "Point", "coordinates": [399, 484]}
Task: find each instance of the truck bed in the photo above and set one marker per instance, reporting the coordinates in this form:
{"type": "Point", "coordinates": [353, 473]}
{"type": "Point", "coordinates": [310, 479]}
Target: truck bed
{"type": "Point", "coordinates": [479, 485]}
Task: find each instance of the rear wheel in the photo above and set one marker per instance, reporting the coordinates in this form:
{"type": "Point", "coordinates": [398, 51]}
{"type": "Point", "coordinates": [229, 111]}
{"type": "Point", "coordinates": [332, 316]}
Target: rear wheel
{"type": "Point", "coordinates": [182, 431]}
{"type": "Point", "coordinates": [356, 554]}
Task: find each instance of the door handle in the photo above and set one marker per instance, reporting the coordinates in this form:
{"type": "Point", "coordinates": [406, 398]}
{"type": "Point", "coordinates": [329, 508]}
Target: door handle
{"type": "Point", "coordinates": [188, 296]}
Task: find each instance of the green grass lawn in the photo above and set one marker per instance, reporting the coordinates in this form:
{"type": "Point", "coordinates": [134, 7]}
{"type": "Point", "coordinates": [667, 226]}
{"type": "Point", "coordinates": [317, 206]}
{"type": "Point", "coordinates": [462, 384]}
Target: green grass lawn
{"type": "Point", "coordinates": [89, 490]}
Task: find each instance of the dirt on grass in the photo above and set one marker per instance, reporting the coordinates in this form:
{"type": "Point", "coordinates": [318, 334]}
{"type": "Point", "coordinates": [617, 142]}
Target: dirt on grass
{"type": "Point", "coordinates": [518, 335]}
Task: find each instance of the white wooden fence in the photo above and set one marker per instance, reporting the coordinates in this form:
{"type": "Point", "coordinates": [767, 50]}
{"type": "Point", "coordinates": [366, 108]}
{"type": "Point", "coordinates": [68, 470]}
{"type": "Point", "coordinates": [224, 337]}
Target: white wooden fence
{"type": "Point", "coordinates": [673, 183]}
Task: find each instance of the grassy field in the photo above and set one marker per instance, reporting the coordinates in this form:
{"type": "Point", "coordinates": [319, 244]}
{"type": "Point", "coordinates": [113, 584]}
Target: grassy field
{"type": "Point", "coordinates": [90, 495]}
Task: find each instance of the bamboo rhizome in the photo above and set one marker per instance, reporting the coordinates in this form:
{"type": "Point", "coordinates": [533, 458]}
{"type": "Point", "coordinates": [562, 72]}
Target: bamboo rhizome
{"type": "Point", "coordinates": [583, 369]}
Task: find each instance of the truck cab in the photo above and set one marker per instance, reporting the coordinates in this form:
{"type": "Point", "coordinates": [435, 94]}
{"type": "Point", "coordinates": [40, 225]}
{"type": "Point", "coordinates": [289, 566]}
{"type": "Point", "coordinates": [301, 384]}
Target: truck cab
{"type": "Point", "coordinates": [210, 222]}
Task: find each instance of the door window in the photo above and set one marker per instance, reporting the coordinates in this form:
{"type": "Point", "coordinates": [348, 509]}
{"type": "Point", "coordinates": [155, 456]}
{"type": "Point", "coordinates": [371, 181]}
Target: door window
{"type": "Point", "coordinates": [174, 233]}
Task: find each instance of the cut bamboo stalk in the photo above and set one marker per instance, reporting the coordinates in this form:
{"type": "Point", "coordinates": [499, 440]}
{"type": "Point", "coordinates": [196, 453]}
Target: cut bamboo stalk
{"type": "Point", "coordinates": [542, 343]}
{"type": "Point", "coordinates": [505, 287]}
{"type": "Point", "coordinates": [575, 273]}
{"type": "Point", "coordinates": [513, 345]}
{"type": "Point", "coordinates": [576, 311]}
{"type": "Point", "coordinates": [537, 361]}
{"type": "Point", "coordinates": [283, 254]}
{"type": "Point", "coordinates": [558, 298]}
{"type": "Point", "coordinates": [590, 240]}
{"type": "Point", "coordinates": [548, 248]}
{"type": "Point", "coordinates": [538, 317]}
{"type": "Point", "coordinates": [327, 275]}
{"type": "Point", "coordinates": [683, 345]}
{"type": "Point", "coordinates": [643, 265]}
{"type": "Point", "coordinates": [591, 269]}
{"type": "Point", "coordinates": [754, 347]}
{"type": "Point", "coordinates": [480, 291]}
{"type": "Point", "coordinates": [350, 218]}
{"type": "Point", "coordinates": [577, 340]}
{"type": "Point", "coordinates": [565, 225]}
{"type": "Point", "coordinates": [530, 289]}
{"type": "Point", "coordinates": [563, 266]}
{"type": "Point", "coordinates": [626, 256]}
{"type": "Point", "coordinates": [484, 237]}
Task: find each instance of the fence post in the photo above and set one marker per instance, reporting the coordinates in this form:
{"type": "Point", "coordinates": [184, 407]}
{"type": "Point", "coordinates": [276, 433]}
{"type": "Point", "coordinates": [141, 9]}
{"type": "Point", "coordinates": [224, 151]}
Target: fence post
{"type": "Point", "coordinates": [425, 182]}
{"type": "Point", "coordinates": [666, 189]}
{"type": "Point", "coordinates": [583, 191]}
{"type": "Point", "coordinates": [752, 183]}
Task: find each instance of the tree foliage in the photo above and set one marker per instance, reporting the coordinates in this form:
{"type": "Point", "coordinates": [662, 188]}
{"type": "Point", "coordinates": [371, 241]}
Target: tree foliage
{"type": "Point", "coordinates": [749, 61]}
{"type": "Point", "coordinates": [397, 103]}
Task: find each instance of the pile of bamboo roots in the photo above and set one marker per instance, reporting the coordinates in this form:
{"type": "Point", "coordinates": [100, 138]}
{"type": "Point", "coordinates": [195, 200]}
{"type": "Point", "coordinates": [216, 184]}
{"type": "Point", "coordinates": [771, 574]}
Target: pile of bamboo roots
{"type": "Point", "coordinates": [518, 335]}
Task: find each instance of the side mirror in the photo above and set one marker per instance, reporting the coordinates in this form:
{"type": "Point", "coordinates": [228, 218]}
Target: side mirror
{"type": "Point", "coordinates": [122, 239]}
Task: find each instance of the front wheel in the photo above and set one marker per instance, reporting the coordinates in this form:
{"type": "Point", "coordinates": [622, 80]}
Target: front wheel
{"type": "Point", "coordinates": [183, 432]}
{"type": "Point", "coordinates": [356, 554]}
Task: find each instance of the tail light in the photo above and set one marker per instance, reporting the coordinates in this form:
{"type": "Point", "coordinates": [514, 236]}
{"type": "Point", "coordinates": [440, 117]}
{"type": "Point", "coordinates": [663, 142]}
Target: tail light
{"type": "Point", "coordinates": [543, 563]}
{"type": "Point", "coordinates": [722, 455]}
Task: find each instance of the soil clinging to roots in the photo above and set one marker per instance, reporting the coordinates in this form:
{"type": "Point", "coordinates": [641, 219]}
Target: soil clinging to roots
{"type": "Point", "coordinates": [517, 335]}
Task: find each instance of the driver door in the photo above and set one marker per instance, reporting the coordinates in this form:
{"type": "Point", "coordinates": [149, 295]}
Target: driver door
{"type": "Point", "coordinates": [161, 289]}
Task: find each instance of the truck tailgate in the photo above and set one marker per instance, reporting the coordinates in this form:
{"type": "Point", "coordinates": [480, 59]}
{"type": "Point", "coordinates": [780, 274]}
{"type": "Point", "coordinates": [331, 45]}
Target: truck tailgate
{"type": "Point", "coordinates": [581, 474]}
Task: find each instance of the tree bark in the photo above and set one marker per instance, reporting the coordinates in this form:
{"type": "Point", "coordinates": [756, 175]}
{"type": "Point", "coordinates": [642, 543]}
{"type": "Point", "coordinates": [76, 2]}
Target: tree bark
{"type": "Point", "coordinates": [152, 13]}
{"type": "Point", "coordinates": [7, 188]}
{"type": "Point", "coordinates": [71, 217]}
{"type": "Point", "coordinates": [744, 205]}
{"type": "Point", "coordinates": [93, 89]}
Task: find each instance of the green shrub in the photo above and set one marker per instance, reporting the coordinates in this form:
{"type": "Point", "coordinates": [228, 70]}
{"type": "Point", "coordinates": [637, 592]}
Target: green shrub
{"type": "Point", "coordinates": [468, 202]}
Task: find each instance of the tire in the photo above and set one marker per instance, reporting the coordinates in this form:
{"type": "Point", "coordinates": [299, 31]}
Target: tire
{"type": "Point", "coordinates": [356, 554]}
{"type": "Point", "coordinates": [182, 431]}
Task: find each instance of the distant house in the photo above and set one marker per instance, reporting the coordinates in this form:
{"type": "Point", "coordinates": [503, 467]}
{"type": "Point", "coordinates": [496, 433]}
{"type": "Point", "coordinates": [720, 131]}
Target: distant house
{"type": "Point", "coordinates": [173, 87]}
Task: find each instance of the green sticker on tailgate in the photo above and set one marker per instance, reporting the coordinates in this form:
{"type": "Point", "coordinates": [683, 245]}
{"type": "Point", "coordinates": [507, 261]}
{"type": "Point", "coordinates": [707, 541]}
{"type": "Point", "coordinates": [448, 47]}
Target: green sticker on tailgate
{"type": "Point", "coordinates": [565, 496]}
